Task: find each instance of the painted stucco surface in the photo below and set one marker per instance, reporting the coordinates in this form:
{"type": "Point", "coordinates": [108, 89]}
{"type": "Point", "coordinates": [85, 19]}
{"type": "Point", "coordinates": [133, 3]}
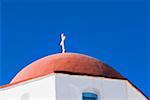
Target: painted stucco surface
{"type": "Point", "coordinates": [70, 87]}
{"type": "Point", "coordinates": [36, 89]}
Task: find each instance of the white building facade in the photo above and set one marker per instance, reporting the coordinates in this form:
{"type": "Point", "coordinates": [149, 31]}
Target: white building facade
{"type": "Point", "coordinates": [69, 83]}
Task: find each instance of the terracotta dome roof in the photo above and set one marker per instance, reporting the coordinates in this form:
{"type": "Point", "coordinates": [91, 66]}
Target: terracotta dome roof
{"type": "Point", "coordinates": [71, 63]}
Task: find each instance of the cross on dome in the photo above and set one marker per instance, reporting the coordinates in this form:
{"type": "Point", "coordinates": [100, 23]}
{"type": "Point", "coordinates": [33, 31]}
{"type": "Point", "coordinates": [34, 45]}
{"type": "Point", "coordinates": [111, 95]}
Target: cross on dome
{"type": "Point", "coordinates": [62, 43]}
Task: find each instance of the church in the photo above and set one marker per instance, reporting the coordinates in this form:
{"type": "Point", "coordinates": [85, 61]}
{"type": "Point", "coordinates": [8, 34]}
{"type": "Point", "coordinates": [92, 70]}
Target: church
{"type": "Point", "coordinates": [69, 76]}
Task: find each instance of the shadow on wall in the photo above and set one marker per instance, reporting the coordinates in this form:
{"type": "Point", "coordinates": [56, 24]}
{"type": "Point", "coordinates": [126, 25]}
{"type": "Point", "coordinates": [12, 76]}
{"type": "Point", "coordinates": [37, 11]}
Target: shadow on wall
{"type": "Point", "coordinates": [25, 96]}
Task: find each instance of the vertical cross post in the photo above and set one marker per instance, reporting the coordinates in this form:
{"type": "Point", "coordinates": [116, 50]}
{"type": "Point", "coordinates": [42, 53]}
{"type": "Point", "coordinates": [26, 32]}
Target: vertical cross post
{"type": "Point", "coordinates": [62, 43]}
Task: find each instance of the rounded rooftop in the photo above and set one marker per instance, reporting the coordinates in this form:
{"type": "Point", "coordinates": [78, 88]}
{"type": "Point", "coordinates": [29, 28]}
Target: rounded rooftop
{"type": "Point", "coordinates": [69, 63]}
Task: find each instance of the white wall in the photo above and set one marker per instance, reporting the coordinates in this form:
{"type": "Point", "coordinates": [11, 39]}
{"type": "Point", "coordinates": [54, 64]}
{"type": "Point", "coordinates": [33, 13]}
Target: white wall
{"type": "Point", "coordinates": [71, 87]}
{"type": "Point", "coordinates": [133, 93]}
{"type": "Point", "coordinates": [36, 89]}
{"type": "Point", "coordinates": [114, 89]}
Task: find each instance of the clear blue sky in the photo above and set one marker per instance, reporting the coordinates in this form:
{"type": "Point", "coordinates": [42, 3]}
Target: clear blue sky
{"type": "Point", "coordinates": [115, 32]}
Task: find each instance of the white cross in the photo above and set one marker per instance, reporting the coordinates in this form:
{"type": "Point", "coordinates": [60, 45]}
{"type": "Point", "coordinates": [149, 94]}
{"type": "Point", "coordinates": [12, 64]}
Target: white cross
{"type": "Point", "coordinates": [62, 43]}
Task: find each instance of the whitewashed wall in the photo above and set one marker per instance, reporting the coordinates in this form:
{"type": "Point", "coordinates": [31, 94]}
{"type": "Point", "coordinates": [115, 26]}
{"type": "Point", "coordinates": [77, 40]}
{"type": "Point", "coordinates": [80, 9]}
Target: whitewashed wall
{"type": "Point", "coordinates": [71, 87]}
{"type": "Point", "coordinates": [37, 89]}
{"type": "Point", "coordinates": [114, 89]}
{"type": "Point", "coordinates": [133, 93]}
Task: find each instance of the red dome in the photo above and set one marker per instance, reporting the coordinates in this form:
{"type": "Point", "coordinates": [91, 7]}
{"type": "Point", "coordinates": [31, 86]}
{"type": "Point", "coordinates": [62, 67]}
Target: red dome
{"type": "Point", "coordinates": [70, 63]}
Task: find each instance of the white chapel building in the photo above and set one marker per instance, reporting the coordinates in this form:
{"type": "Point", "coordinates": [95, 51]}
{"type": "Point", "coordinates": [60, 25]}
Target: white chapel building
{"type": "Point", "coordinates": [69, 76]}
